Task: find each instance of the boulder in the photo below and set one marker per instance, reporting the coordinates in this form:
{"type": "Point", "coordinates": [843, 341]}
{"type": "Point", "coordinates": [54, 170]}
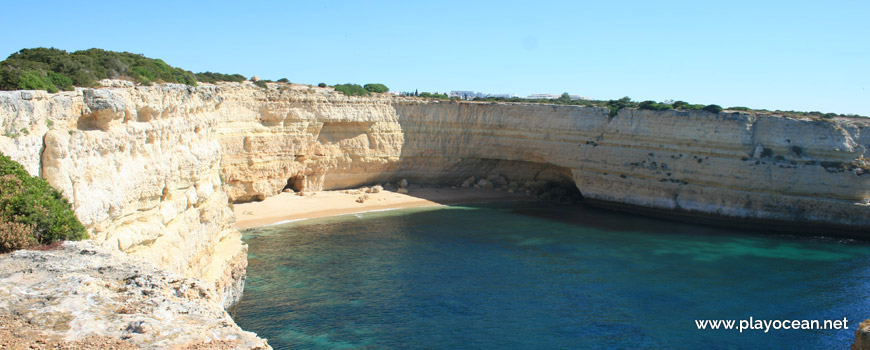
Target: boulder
{"type": "Point", "coordinates": [362, 198]}
{"type": "Point", "coordinates": [497, 180]}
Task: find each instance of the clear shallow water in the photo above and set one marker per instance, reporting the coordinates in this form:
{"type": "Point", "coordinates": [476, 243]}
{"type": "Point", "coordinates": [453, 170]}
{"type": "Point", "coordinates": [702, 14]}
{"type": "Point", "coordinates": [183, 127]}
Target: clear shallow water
{"type": "Point", "coordinates": [542, 277]}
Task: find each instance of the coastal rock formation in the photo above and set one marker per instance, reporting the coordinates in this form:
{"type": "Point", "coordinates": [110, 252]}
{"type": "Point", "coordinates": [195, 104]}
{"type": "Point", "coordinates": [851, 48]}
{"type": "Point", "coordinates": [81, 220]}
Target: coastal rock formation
{"type": "Point", "coordinates": [151, 170]}
{"type": "Point", "coordinates": [789, 173]}
{"type": "Point", "coordinates": [304, 139]}
{"type": "Point", "coordinates": [82, 290]}
{"type": "Point", "coordinates": [679, 162]}
{"type": "Point", "coordinates": [141, 169]}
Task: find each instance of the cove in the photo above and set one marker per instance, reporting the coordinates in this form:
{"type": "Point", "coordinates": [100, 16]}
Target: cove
{"type": "Point", "coordinates": [546, 276]}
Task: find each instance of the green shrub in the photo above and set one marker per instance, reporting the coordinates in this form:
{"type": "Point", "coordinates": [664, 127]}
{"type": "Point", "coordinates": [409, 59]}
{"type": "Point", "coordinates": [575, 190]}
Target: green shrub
{"type": "Point", "coordinates": [29, 205]}
{"type": "Point", "coordinates": [616, 105]}
{"type": "Point", "coordinates": [283, 80]}
{"type": "Point", "coordinates": [378, 88]}
{"type": "Point", "coordinates": [262, 83]}
{"type": "Point", "coordinates": [433, 95]}
{"type": "Point", "coordinates": [351, 90]}
{"type": "Point", "coordinates": [713, 108]}
{"type": "Point", "coordinates": [687, 106]}
{"type": "Point", "coordinates": [35, 80]}
{"type": "Point", "coordinates": [209, 77]}
{"type": "Point", "coordinates": [321, 85]}
{"type": "Point", "coordinates": [52, 69]}
{"type": "Point", "coordinates": [745, 109]}
{"type": "Point", "coordinates": [655, 106]}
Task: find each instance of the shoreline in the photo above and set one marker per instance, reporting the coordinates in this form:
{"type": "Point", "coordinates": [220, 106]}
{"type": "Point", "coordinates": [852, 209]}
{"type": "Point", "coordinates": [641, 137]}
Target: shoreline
{"type": "Point", "coordinates": [289, 207]}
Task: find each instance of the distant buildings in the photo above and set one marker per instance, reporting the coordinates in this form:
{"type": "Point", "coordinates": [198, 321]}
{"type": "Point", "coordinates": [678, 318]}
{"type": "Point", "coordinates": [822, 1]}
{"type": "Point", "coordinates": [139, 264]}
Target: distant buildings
{"type": "Point", "coordinates": [470, 95]}
{"type": "Point", "coordinates": [553, 97]}
{"type": "Point", "coordinates": [542, 97]}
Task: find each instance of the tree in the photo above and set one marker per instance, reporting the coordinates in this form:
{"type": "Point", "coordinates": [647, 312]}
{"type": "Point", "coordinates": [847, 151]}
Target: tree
{"type": "Point", "coordinates": [654, 106]}
{"type": "Point", "coordinates": [565, 97]}
{"type": "Point", "coordinates": [378, 88]}
{"type": "Point", "coordinates": [616, 105]}
{"type": "Point", "coordinates": [351, 89]}
{"type": "Point", "coordinates": [321, 85]}
{"type": "Point", "coordinates": [283, 80]}
{"type": "Point", "coordinates": [713, 108]}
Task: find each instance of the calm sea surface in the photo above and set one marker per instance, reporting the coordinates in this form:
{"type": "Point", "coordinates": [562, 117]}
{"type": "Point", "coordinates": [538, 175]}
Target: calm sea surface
{"type": "Point", "coordinates": [534, 276]}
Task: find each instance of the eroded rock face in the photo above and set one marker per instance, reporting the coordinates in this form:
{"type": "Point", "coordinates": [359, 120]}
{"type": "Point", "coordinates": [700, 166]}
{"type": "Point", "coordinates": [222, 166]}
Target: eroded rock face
{"type": "Point", "coordinates": [676, 161]}
{"type": "Point", "coordinates": [150, 170]}
{"type": "Point", "coordinates": [141, 167]}
{"type": "Point", "coordinates": [306, 138]}
{"type": "Point", "coordinates": [83, 290]}
{"type": "Point", "coordinates": [791, 173]}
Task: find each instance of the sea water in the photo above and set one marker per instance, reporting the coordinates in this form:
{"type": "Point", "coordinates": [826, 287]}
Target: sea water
{"type": "Point", "coordinates": [533, 276]}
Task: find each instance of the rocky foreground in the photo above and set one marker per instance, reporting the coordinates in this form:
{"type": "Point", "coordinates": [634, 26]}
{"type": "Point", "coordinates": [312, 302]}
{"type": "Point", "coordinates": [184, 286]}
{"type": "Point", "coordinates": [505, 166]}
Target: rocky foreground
{"type": "Point", "coordinates": [83, 296]}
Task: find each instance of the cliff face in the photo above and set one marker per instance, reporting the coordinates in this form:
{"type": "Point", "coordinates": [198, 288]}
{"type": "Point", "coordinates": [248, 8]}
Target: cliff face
{"type": "Point", "coordinates": [141, 169]}
{"type": "Point", "coordinates": [730, 165]}
{"type": "Point", "coordinates": [312, 138]}
{"type": "Point", "coordinates": [150, 170]}
{"type": "Point", "coordinates": [735, 165]}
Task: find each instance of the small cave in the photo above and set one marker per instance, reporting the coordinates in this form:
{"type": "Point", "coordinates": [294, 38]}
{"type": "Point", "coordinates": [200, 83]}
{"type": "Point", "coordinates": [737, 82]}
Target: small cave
{"type": "Point", "coordinates": [295, 183]}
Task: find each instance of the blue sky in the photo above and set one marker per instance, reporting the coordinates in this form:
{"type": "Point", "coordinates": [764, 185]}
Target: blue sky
{"type": "Point", "coordinates": [792, 55]}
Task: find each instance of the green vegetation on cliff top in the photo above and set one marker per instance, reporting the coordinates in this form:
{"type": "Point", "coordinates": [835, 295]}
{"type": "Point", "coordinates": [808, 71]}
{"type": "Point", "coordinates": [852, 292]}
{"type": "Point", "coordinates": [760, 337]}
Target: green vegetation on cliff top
{"type": "Point", "coordinates": [52, 70]}
{"type": "Point", "coordinates": [357, 90]}
{"type": "Point", "coordinates": [626, 102]}
{"type": "Point", "coordinates": [31, 211]}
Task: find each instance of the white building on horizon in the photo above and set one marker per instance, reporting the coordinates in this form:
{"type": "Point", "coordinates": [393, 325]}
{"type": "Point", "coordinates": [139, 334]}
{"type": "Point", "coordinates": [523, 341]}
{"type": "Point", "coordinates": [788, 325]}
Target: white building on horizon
{"type": "Point", "coordinates": [553, 97]}
{"type": "Point", "coordinates": [542, 97]}
{"type": "Point", "coordinates": [470, 95]}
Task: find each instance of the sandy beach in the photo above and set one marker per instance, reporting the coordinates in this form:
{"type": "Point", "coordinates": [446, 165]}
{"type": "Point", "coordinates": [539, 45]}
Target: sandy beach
{"type": "Point", "coordinates": [291, 206]}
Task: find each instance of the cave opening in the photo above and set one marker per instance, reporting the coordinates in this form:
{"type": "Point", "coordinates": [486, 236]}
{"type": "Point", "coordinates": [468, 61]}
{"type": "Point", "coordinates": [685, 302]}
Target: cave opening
{"type": "Point", "coordinates": [295, 183]}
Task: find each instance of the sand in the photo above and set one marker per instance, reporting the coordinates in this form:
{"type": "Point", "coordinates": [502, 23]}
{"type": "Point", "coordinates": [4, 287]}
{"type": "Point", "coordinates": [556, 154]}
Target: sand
{"type": "Point", "coordinates": [290, 206]}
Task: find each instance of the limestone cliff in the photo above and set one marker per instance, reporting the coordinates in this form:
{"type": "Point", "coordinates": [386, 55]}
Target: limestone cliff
{"type": "Point", "coordinates": [151, 170]}
{"type": "Point", "coordinates": [310, 138]}
{"type": "Point", "coordinates": [141, 169]}
{"type": "Point", "coordinates": [793, 173]}
{"type": "Point", "coordinates": [735, 165]}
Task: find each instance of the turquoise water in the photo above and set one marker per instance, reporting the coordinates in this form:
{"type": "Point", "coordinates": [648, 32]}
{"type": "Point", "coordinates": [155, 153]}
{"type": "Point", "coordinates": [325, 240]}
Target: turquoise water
{"type": "Point", "coordinates": [532, 276]}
